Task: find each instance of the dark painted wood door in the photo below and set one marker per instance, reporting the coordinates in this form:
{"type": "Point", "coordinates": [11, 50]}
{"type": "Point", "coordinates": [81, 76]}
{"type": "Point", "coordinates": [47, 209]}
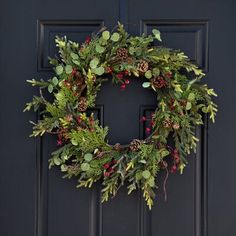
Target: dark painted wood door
{"type": "Point", "coordinates": [36, 201]}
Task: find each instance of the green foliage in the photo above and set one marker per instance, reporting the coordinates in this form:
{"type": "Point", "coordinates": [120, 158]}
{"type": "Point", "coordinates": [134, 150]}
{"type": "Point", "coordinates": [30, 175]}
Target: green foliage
{"type": "Point", "coordinates": [85, 153]}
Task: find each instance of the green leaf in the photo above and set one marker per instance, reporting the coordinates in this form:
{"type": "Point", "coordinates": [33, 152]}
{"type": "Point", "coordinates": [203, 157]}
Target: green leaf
{"type": "Point", "coordinates": [50, 88]}
{"type": "Point", "coordinates": [99, 71]}
{"type": "Point", "coordinates": [55, 80]}
{"type": "Point", "coordinates": [157, 34]}
{"type": "Point", "coordinates": [74, 142]}
{"type": "Point", "coordinates": [74, 56]}
{"type": "Point", "coordinates": [188, 106]}
{"type": "Point", "coordinates": [146, 84]}
{"type": "Point", "coordinates": [99, 48]}
{"type": "Point", "coordinates": [85, 167]}
{"type": "Point", "coordinates": [59, 70]}
{"type": "Point", "coordinates": [156, 71]}
{"type": "Point", "coordinates": [88, 157]}
{"type": "Point", "coordinates": [68, 69]}
{"type": "Point", "coordinates": [106, 35]}
{"type": "Point", "coordinates": [131, 50]}
{"type": "Point", "coordinates": [56, 161]}
{"type": "Point", "coordinates": [146, 174]}
{"type": "Point", "coordinates": [115, 37]}
{"type": "Point", "coordinates": [76, 62]}
{"type": "Point", "coordinates": [94, 62]}
{"type": "Point", "coordinates": [142, 161]}
{"type": "Point", "coordinates": [138, 175]}
{"type": "Point", "coordinates": [148, 74]}
{"type": "Point", "coordinates": [191, 96]}
{"type": "Point", "coordinates": [151, 181]}
{"type": "Point", "coordinates": [63, 168]}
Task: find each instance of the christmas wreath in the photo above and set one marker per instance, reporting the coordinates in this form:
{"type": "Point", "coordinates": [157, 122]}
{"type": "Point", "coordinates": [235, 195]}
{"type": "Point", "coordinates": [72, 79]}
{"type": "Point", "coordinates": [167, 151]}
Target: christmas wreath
{"type": "Point", "coordinates": [83, 150]}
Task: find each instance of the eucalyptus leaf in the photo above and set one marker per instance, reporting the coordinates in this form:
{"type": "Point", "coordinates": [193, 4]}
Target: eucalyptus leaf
{"type": "Point", "coordinates": [188, 106]}
{"type": "Point", "coordinates": [148, 74]}
{"type": "Point", "coordinates": [74, 56]}
{"type": "Point", "coordinates": [146, 84]}
{"type": "Point", "coordinates": [191, 96]}
{"type": "Point", "coordinates": [99, 48]}
{"type": "Point", "coordinates": [146, 174]}
{"type": "Point", "coordinates": [55, 80]}
{"type": "Point", "coordinates": [74, 142]}
{"type": "Point", "coordinates": [115, 37]}
{"type": "Point", "coordinates": [63, 168]}
{"type": "Point", "coordinates": [88, 157]}
{"type": "Point", "coordinates": [57, 161]}
{"type": "Point", "coordinates": [76, 62]}
{"type": "Point", "coordinates": [99, 71]}
{"type": "Point", "coordinates": [59, 69]}
{"type": "Point", "coordinates": [94, 62]}
{"type": "Point", "coordinates": [85, 166]}
{"type": "Point", "coordinates": [50, 88]}
{"type": "Point", "coordinates": [68, 69]}
{"type": "Point", "coordinates": [106, 35]}
{"type": "Point", "coordinates": [157, 34]}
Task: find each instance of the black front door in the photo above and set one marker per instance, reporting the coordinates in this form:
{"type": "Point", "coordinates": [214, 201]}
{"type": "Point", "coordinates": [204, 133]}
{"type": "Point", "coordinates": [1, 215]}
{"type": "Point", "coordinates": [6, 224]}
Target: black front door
{"type": "Point", "coordinates": [36, 201]}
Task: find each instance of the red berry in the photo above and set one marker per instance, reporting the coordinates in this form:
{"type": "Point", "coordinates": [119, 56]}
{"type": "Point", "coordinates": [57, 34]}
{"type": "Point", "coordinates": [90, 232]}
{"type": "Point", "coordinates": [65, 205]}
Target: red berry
{"type": "Point", "coordinates": [127, 81]}
{"type": "Point", "coordinates": [107, 174]}
{"type": "Point", "coordinates": [173, 169]}
{"type": "Point", "coordinates": [78, 119]}
{"type": "Point", "coordinates": [168, 74]}
{"type": "Point", "coordinates": [106, 166]}
{"type": "Point", "coordinates": [59, 142]}
{"type": "Point", "coordinates": [74, 72]}
{"type": "Point", "coordinates": [88, 40]}
{"type": "Point", "coordinates": [120, 75]}
{"type": "Point", "coordinates": [109, 69]}
{"type": "Point", "coordinates": [123, 86]}
{"type": "Point", "coordinates": [126, 72]}
{"type": "Point", "coordinates": [143, 118]}
{"type": "Point", "coordinates": [148, 130]}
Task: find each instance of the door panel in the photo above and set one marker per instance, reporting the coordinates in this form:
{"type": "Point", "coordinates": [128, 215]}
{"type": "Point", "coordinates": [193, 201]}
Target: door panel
{"type": "Point", "coordinates": [37, 201]}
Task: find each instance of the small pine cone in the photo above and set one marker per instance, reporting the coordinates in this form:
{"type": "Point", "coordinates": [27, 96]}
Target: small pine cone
{"type": "Point", "coordinates": [175, 126]}
{"type": "Point", "coordinates": [117, 146]}
{"type": "Point", "coordinates": [122, 53]}
{"type": "Point", "coordinates": [142, 66]}
{"type": "Point", "coordinates": [82, 106]}
{"type": "Point", "coordinates": [159, 82]}
{"type": "Point", "coordinates": [167, 123]}
{"type": "Point", "coordinates": [135, 145]}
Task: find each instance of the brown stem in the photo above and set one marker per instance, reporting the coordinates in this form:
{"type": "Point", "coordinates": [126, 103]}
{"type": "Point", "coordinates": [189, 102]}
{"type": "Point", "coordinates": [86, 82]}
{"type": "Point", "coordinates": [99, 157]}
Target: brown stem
{"type": "Point", "coordinates": [164, 184]}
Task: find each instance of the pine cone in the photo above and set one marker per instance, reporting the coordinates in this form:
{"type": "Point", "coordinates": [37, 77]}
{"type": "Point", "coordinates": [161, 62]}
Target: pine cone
{"type": "Point", "coordinates": [122, 53]}
{"type": "Point", "coordinates": [82, 106]}
{"type": "Point", "coordinates": [142, 66]}
{"type": "Point", "coordinates": [117, 146]}
{"type": "Point", "coordinates": [159, 82]}
{"type": "Point", "coordinates": [135, 145]}
{"type": "Point", "coordinates": [167, 123]}
{"type": "Point", "coordinates": [175, 126]}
